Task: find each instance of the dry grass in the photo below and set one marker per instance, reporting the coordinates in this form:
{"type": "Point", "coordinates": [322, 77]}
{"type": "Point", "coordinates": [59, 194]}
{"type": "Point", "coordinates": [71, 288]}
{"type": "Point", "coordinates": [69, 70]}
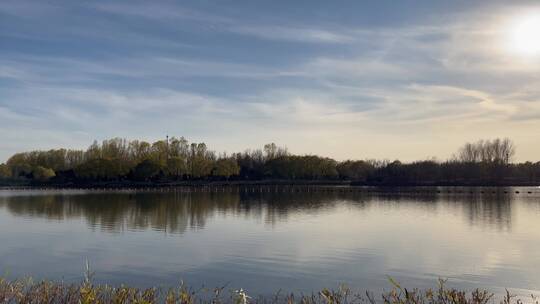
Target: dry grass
{"type": "Point", "coordinates": [27, 291]}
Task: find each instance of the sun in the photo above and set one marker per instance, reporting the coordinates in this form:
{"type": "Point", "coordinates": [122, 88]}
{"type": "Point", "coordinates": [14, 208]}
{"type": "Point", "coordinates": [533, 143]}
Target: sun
{"type": "Point", "coordinates": [525, 35]}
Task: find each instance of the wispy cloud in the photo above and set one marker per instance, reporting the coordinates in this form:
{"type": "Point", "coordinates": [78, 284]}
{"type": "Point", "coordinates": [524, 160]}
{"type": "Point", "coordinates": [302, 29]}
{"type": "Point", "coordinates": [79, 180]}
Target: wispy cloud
{"type": "Point", "coordinates": [142, 69]}
{"type": "Point", "coordinates": [163, 12]}
{"type": "Point", "coordinates": [295, 34]}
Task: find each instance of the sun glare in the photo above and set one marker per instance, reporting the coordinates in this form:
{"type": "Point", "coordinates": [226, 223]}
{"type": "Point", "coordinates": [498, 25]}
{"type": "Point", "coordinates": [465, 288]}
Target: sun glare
{"type": "Point", "coordinates": [525, 35]}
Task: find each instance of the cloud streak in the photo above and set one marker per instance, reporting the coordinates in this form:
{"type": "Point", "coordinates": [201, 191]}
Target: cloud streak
{"type": "Point", "coordinates": [219, 74]}
{"type": "Point", "coordinates": [294, 34]}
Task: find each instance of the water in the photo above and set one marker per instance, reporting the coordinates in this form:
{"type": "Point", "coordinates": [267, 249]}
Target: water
{"type": "Point", "coordinates": [264, 242]}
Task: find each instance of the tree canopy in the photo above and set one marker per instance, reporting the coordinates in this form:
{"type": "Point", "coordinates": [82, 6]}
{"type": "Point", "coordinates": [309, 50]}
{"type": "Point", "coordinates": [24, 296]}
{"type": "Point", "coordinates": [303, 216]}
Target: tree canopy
{"type": "Point", "coordinates": [175, 159]}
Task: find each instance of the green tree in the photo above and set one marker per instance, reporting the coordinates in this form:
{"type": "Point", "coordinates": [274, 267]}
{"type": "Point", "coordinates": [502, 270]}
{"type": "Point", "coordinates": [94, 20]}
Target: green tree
{"type": "Point", "coordinates": [18, 163]}
{"type": "Point", "coordinates": [5, 171]}
{"type": "Point", "coordinates": [101, 169]}
{"type": "Point", "coordinates": [74, 158]}
{"type": "Point", "coordinates": [115, 148]}
{"type": "Point", "coordinates": [226, 167]}
{"type": "Point", "coordinates": [178, 147]}
{"type": "Point", "coordinates": [176, 166]}
{"type": "Point", "coordinates": [42, 174]}
{"type": "Point", "coordinates": [139, 150]}
{"type": "Point", "coordinates": [201, 160]}
{"type": "Point", "coordinates": [20, 170]}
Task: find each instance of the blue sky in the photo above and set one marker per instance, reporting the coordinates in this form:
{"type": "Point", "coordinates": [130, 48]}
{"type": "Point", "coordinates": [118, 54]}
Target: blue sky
{"type": "Point", "coordinates": [345, 79]}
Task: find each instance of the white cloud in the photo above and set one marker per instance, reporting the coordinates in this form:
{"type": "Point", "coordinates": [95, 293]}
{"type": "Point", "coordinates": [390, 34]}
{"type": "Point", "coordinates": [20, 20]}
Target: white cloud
{"type": "Point", "coordinates": [400, 89]}
{"type": "Point", "coordinates": [296, 34]}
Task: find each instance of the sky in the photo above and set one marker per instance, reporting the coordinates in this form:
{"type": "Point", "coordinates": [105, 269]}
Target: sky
{"type": "Point", "coordinates": [345, 79]}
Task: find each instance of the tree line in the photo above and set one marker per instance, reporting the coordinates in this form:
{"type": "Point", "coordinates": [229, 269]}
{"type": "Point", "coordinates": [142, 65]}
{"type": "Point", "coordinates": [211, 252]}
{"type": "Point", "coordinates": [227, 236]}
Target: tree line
{"type": "Point", "coordinates": [485, 162]}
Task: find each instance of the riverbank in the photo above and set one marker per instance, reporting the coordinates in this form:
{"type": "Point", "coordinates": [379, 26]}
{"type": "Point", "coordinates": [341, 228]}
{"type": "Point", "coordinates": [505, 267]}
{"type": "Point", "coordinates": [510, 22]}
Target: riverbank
{"type": "Point", "coordinates": [286, 189]}
{"type": "Point", "coordinates": [210, 184]}
{"type": "Point", "coordinates": [200, 185]}
{"type": "Point", "coordinates": [28, 291]}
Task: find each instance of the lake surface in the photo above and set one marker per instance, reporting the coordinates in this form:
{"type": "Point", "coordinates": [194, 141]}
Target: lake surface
{"type": "Point", "coordinates": [264, 242]}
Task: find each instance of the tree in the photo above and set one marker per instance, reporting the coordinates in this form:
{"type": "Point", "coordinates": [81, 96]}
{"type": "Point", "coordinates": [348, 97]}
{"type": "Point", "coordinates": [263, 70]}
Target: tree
{"type": "Point", "coordinates": [94, 151]}
{"type": "Point", "coordinates": [176, 166]}
{"type": "Point", "coordinates": [74, 158]}
{"type": "Point", "coordinates": [252, 164]}
{"type": "Point", "coordinates": [139, 150]}
{"type": "Point", "coordinates": [479, 163]}
{"type": "Point", "coordinates": [355, 170]}
{"type": "Point", "coordinates": [18, 163]}
{"type": "Point", "coordinates": [279, 167]}
{"type": "Point", "coordinates": [201, 160]}
{"type": "Point", "coordinates": [42, 174]}
{"type": "Point", "coordinates": [100, 169]}
{"type": "Point", "coordinates": [160, 152]}
{"type": "Point", "coordinates": [272, 151]}
{"type": "Point", "coordinates": [226, 167]}
{"type": "Point", "coordinates": [499, 151]}
{"type": "Point", "coordinates": [5, 172]}
{"type": "Point", "coordinates": [146, 170]}
{"type": "Point", "coordinates": [115, 148]}
{"type": "Point", "coordinates": [178, 147]}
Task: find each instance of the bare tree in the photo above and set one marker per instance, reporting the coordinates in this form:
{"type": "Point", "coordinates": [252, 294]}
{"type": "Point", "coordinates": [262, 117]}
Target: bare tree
{"type": "Point", "coordinates": [489, 151]}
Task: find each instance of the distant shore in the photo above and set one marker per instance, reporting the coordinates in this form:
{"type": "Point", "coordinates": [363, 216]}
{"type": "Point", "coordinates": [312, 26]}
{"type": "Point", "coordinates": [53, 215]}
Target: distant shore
{"type": "Point", "coordinates": [121, 163]}
{"type": "Point", "coordinates": [299, 184]}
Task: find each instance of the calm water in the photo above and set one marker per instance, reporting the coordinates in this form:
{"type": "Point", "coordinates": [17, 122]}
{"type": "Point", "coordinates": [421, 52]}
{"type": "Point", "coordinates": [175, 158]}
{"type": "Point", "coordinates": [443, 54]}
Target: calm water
{"type": "Point", "coordinates": [266, 242]}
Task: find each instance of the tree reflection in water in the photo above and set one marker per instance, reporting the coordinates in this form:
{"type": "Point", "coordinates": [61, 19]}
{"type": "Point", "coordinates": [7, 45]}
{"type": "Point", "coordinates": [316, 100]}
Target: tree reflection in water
{"type": "Point", "coordinates": [174, 212]}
